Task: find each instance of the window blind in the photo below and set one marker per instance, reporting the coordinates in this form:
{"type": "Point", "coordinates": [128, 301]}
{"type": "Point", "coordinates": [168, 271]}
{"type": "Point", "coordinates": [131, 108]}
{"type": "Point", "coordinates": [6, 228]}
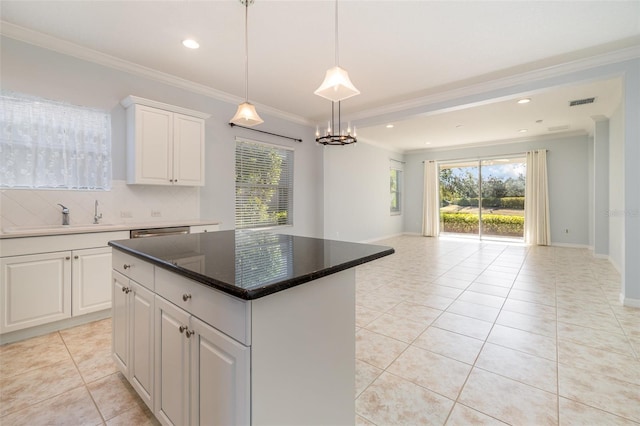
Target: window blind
{"type": "Point", "coordinates": [48, 144]}
{"type": "Point", "coordinates": [264, 185]}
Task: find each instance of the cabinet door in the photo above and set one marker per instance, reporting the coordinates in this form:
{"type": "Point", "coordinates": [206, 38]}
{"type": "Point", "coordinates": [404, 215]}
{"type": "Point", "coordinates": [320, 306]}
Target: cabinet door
{"type": "Point", "coordinates": [34, 290]}
{"type": "Point", "coordinates": [171, 364]}
{"type": "Point", "coordinates": [152, 146]}
{"type": "Point", "coordinates": [142, 342]}
{"type": "Point", "coordinates": [120, 323]}
{"type": "Point", "coordinates": [188, 150]}
{"type": "Point", "coordinates": [220, 381]}
{"type": "Point", "coordinates": [91, 283]}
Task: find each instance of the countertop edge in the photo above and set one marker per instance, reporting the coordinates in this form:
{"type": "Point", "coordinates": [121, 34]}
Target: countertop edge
{"type": "Point", "coordinates": [92, 229]}
{"type": "Point", "coordinates": [258, 292]}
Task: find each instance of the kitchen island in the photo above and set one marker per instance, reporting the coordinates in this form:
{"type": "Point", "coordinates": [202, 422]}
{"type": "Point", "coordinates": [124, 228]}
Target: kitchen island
{"type": "Point", "coordinates": [239, 327]}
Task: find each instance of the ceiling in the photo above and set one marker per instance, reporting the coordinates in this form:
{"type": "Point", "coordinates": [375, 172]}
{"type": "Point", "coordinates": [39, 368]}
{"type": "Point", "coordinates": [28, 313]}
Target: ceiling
{"type": "Point", "coordinates": [395, 52]}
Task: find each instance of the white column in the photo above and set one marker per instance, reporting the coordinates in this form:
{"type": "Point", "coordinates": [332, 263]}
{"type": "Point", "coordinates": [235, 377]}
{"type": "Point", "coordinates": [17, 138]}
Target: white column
{"type": "Point", "coordinates": [601, 186]}
{"type": "Point", "coordinates": [631, 268]}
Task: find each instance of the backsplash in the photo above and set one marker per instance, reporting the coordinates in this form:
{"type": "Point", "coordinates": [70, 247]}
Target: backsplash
{"type": "Point", "coordinates": [123, 204]}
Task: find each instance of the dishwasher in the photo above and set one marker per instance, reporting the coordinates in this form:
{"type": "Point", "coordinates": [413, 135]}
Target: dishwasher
{"type": "Point", "coordinates": [157, 232]}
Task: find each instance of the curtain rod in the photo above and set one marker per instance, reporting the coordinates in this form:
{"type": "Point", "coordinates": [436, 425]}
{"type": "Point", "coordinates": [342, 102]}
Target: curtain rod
{"type": "Point", "coordinates": [267, 133]}
{"type": "Point", "coordinates": [515, 154]}
{"type": "Point", "coordinates": [397, 161]}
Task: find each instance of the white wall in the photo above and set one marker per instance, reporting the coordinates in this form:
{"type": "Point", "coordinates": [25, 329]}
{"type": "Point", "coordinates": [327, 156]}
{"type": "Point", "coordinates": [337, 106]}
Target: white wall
{"type": "Point", "coordinates": [356, 193]}
{"type": "Point", "coordinates": [616, 185]}
{"type": "Point", "coordinates": [567, 167]}
{"type": "Point", "coordinates": [29, 69]}
{"type": "Point", "coordinates": [601, 186]}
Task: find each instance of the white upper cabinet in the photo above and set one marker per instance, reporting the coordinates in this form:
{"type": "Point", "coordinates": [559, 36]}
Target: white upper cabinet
{"type": "Point", "coordinates": [165, 143]}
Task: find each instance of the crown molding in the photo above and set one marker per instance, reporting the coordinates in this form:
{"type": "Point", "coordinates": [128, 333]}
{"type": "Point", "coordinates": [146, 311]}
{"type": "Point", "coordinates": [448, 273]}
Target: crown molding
{"type": "Point", "coordinates": [555, 136]}
{"type": "Point", "coordinates": [577, 65]}
{"type": "Point", "coordinates": [64, 47]}
{"type": "Point", "coordinates": [136, 100]}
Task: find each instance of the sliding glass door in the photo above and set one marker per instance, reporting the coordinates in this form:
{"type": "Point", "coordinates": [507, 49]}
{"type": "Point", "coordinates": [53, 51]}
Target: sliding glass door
{"type": "Point", "coordinates": [483, 198]}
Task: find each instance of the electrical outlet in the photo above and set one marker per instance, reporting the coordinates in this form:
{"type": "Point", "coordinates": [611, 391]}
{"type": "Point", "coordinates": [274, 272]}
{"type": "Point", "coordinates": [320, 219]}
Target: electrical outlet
{"type": "Point", "coordinates": [126, 213]}
{"type": "Point", "coordinates": [566, 231]}
{"type": "Point", "coordinates": [156, 213]}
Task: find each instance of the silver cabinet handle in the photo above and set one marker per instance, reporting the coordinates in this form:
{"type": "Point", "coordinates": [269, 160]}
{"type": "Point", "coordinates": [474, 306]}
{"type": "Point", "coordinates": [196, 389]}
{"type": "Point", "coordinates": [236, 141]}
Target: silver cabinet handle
{"type": "Point", "coordinates": [126, 290]}
{"type": "Point", "coordinates": [190, 333]}
{"type": "Point", "coordinates": [186, 297]}
{"type": "Point", "coordinates": [67, 258]}
{"type": "Point", "coordinates": [125, 266]}
{"type": "Point", "coordinates": [182, 328]}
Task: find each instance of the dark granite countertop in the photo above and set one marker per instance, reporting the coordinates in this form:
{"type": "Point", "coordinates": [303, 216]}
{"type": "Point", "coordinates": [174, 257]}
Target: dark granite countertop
{"type": "Point", "coordinates": [250, 264]}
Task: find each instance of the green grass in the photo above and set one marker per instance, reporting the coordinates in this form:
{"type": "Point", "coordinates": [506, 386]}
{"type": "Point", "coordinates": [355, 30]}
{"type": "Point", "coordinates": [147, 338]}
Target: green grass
{"type": "Point", "coordinates": [466, 223]}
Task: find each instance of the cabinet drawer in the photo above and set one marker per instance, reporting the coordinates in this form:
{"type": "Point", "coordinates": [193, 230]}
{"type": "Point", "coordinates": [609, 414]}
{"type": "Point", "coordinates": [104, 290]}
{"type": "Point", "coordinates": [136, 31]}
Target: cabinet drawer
{"type": "Point", "coordinates": [228, 314]}
{"type": "Point", "coordinates": [134, 268]}
{"type": "Point", "coordinates": [196, 229]}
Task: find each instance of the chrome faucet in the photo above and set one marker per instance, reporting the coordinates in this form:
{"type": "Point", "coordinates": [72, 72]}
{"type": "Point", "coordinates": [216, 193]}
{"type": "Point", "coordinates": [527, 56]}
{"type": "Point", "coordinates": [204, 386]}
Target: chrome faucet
{"type": "Point", "coordinates": [65, 214]}
{"type": "Point", "coordinates": [96, 216]}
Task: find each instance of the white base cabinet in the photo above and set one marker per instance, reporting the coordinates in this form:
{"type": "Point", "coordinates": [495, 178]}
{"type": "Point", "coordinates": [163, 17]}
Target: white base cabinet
{"type": "Point", "coordinates": [133, 333]}
{"type": "Point", "coordinates": [202, 376]}
{"type": "Point", "coordinates": [286, 358]}
{"type": "Point", "coordinates": [35, 290]}
{"type": "Point", "coordinates": [90, 285]}
{"type": "Point", "coordinates": [68, 279]}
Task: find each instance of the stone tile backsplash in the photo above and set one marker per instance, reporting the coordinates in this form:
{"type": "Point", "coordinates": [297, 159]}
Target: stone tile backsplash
{"type": "Point", "coordinates": [123, 204]}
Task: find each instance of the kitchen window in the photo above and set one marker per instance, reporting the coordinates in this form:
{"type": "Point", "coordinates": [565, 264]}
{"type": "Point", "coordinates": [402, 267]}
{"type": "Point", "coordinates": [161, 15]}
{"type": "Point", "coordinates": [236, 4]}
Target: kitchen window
{"type": "Point", "coordinates": [50, 144]}
{"type": "Point", "coordinates": [264, 185]}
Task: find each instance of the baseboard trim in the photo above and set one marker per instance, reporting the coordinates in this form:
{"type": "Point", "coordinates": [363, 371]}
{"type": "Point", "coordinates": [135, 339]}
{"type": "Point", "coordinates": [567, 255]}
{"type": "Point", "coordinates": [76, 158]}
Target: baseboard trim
{"type": "Point", "coordinates": [27, 333]}
{"type": "Point", "coordinates": [629, 302]}
{"type": "Point", "coordinates": [373, 240]}
{"type": "Point", "coordinates": [570, 245]}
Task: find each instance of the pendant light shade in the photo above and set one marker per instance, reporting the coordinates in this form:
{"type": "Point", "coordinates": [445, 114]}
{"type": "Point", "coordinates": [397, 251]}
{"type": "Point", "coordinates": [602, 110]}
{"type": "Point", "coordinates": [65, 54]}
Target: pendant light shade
{"type": "Point", "coordinates": [336, 85]}
{"type": "Point", "coordinates": [246, 115]}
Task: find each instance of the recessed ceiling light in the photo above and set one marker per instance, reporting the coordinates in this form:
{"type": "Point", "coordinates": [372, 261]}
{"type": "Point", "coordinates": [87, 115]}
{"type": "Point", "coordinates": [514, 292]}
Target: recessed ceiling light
{"type": "Point", "coordinates": [523, 130]}
{"type": "Point", "coordinates": [190, 43]}
{"type": "Point", "coordinates": [427, 143]}
{"type": "Point", "coordinates": [459, 126]}
{"type": "Point", "coordinates": [389, 126]}
{"type": "Point", "coordinates": [524, 100]}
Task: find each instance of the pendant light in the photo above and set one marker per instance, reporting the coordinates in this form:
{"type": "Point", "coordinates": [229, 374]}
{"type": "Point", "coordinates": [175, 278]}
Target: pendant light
{"type": "Point", "coordinates": [246, 114]}
{"type": "Point", "coordinates": [336, 87]}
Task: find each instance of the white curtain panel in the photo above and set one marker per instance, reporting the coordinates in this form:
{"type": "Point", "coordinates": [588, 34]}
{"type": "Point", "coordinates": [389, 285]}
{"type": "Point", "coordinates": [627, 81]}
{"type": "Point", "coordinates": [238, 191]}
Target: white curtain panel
{"type": "Point", "coordinates": [537, 229]}
{"type": "Point", "coordinates": [431, 210]}
{"type": "Point", "coordinates": [49, 144]}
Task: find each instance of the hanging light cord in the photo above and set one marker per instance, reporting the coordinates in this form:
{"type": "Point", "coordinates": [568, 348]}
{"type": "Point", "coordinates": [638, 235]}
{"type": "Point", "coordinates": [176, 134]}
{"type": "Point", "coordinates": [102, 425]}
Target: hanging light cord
{"type": "Point", "coordinates": [336, 12]}
{"type": "Point", "coordinates": [246, 50]}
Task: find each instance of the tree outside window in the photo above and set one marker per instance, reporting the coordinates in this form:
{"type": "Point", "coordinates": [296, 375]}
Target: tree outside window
{"type": "Point", "coordinates": [264, 185]}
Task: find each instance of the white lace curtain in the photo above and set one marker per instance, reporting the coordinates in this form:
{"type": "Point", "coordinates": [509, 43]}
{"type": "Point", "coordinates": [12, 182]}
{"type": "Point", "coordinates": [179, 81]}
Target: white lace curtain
{"type": "Point", "coordinates": [431, 210]}
{"type": "Point", "coordinates": [537, 229]}
{"type": "Point", "coordinates": [47, 144]}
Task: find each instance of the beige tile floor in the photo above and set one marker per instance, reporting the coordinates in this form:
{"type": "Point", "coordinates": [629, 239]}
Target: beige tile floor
{"type": "Point", "coordinates": [448, 332]}
{"type": "Point", "coordinates": [461, 333]}
{"type": "Point", "coordinates": [67, 378]}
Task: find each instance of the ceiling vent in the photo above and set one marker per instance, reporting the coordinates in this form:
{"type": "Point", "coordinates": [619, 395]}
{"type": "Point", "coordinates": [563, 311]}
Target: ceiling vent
{"type": "Point", "coordinates": [582, 101]}
{"type": "Point", "coordinates": [558, 128]}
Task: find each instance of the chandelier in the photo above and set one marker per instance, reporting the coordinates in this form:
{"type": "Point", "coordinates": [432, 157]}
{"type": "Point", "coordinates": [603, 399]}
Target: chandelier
{"type": "Point", "coordinates": [246, 114]}
{"type": "Point", "coordinates": [336, 87]}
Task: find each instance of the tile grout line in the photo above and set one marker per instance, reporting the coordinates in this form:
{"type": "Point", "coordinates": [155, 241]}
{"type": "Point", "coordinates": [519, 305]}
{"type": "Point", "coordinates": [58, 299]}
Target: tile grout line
{"type": "Point", "coordinates": [484, 343]}
{"type": "Point", "coordinates": [85, 384]}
